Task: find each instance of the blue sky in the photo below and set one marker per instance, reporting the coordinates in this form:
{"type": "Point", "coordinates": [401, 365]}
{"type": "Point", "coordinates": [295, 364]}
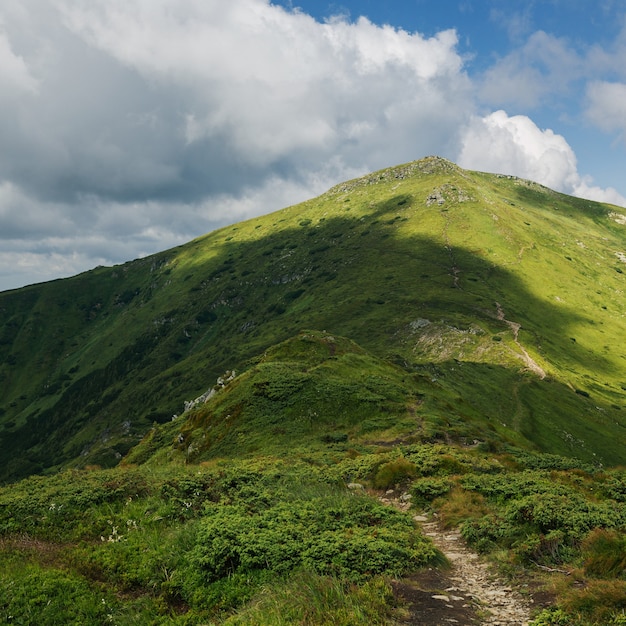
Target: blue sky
{"type": "Point", "coordinates": [492, 30]}
{"type": "Point", "coordinates": [131, 126]}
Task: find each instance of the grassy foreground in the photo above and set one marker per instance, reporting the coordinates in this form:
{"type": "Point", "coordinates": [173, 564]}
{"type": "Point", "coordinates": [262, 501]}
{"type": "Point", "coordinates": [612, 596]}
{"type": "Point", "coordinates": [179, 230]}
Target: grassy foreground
{"type": "Point", "coordinates": [284, 541]}
{"type": "Point", "coordinates": [259, 505]}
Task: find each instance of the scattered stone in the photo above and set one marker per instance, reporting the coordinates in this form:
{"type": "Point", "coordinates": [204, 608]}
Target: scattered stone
{"type": "Point", "coordinates": [620, 219]}
{"type": "Point", "coordinates": [420, 322]}
{"type": "Point", "coordinates": [475, 588]}
{"type": "Point", "coordinates": [222, 381]}
{"type": "Point", "coordinates": [435, 197]}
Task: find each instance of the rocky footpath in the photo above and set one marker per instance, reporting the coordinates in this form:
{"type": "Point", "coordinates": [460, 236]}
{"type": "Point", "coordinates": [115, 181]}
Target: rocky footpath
{"type": "Point", "coordinates": [469, 593]}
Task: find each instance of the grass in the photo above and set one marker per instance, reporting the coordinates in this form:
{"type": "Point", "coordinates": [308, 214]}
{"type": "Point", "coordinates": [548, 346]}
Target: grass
{"type": "Point", "coordinates": [270, 538]}
{"type": "Point", "coordinates": [90, 363]}
{"type": "Point", "coordinates": [313, 600]}
{"type": "Point", "coordinates": [181, 545]}
{"type": "Point", "coordinates": [422, 317]}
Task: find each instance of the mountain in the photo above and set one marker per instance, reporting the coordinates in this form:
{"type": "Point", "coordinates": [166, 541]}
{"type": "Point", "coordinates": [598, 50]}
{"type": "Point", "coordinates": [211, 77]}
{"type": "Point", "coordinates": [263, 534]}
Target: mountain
{"type": "Point", "coordinates": [502, 301]}
{"type": "Point", "coordinates": [296, 419]}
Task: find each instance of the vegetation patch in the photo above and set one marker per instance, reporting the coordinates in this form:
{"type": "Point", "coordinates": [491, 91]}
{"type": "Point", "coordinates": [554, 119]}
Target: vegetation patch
{"type": "Point", "coordinates": [455, 336]}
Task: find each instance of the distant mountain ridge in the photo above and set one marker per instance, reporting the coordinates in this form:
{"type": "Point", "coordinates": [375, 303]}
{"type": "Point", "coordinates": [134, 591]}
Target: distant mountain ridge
{"type": "Point", "coordinates": [501, 301]}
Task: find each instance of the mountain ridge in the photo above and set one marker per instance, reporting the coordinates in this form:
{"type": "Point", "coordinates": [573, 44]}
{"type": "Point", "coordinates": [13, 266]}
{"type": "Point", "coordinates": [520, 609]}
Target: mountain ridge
{"type": "Point", "coordinates": [301, 417]}
{"type": "Point", "coordinates": [422, 263]}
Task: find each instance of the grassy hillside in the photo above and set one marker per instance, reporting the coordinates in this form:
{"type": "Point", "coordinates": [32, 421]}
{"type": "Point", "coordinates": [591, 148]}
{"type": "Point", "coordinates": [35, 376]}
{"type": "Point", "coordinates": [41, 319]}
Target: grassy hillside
{"type": "Point", "coordinates": [280, 539]}
{"type": "Point", "coordinates": [483, 283]}
{"type": "Point", "coordinates": [453, 336]}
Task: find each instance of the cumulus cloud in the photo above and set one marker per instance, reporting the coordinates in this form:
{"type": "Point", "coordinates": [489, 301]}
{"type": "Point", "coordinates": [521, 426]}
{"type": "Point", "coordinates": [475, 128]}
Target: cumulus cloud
{"type": "Point", "coordinates": [269, 83]}
{"type": "Point", "coordinates": [129, 126]}
{"type": "Point", "coordinates": [516, 145]}
{"type": "Point", "coordinates": [586, 189]}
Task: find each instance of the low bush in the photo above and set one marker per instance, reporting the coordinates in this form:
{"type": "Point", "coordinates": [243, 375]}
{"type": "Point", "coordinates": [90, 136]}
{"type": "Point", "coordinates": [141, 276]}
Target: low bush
{"type": "Point", "coordinates": [544, 528]}
{"type": "Point", "coordinates": [552, 617]}
{"type": "Point", "coordinates": [425, 490]}
{"type": "Point", "coordinates": [353, 536]}
{"type": "Point", "coordinates": [393, 473]}
{"type": "Point", "coordinates": [30, 594]}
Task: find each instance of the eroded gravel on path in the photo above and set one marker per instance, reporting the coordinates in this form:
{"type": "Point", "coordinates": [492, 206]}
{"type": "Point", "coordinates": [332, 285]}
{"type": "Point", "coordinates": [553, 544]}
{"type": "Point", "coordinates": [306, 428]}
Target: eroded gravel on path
{"type": "Point", "coordinates": [469, 593]}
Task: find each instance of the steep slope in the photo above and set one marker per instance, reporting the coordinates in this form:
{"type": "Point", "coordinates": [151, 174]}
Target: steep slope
{"type": "Point", "coordinates": [506, 296]}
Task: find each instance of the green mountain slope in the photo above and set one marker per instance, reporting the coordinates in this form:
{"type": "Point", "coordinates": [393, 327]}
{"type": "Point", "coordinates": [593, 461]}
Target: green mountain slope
{"type": "Point", "coordinates": [448, 340]}
{"type": "Point", "coordinates": [300, 395]}
{"type": "Point", "coordinates": [503, 299]}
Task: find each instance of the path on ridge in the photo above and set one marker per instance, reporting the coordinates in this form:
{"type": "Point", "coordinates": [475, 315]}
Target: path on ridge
{"type": "Point", "coordinates": [468, 594]}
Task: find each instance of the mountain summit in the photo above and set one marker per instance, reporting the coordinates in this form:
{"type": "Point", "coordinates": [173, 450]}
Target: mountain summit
{"type": "Point", "coordinates": [499, 301]}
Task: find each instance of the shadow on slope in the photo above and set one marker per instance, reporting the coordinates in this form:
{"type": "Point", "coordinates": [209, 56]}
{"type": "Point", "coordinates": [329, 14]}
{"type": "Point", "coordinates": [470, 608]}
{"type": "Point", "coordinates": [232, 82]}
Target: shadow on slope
{"type": "Point", "coordinates": [319, 391]}
{"type": "Point", "coordinates": [159, 330]}
{"type": "Point", "coordinates": [310, 391]}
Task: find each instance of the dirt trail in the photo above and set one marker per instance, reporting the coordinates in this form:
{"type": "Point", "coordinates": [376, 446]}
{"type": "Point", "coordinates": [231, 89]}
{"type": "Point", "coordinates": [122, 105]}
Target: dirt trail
{"type": "Point", "coordinates": [468, 594]}
{"type": "Point", "coordinates": [531, 364]}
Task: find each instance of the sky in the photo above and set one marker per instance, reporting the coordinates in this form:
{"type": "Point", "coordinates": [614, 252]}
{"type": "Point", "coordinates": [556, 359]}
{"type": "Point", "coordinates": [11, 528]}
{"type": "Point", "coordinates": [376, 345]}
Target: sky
{"type": "Point", "coordinates": [131, 126]}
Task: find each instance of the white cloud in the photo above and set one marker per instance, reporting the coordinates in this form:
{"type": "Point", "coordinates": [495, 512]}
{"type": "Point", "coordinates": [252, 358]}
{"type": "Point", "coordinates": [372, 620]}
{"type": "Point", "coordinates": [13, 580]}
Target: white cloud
{"type": "Point", "coordinates": [586, 189]}
{"type": "Point", "coordinates": [516, 145]}
{"type": "Point", "coordinates": [609, 60]}
{"type": "Point", "coordinates": [607, 105]}
{"type": "Point", "coordinates": [272, 81]}
{"type": "Point", "coordinates": [24, 267]}
{"type": "Point", "coordinates": [543, 66]}
{"type": "Point", "coordinates": [142, 99]}
{"type": "Point", "coordinates": [129, 126]}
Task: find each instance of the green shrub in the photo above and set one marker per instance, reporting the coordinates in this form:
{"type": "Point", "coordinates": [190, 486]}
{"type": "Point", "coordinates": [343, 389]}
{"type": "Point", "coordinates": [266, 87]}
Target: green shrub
{"type": "Point", "coordinates": [353, 536]}
{"type": "Point", "coordinates": [552, 617]}
{"type": "Point", "coordinates": [425, 490]}
{"type": "Point", "coordinates": [537, 516]}
{"type": "Point", "coordinates": [615, 485]}
{"type": "Point", "coordinates": [334, 438]}
{"type": "Point", "coordinates": [34, 595]}
{"type": "Point", "coordinates": [394, 473]}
